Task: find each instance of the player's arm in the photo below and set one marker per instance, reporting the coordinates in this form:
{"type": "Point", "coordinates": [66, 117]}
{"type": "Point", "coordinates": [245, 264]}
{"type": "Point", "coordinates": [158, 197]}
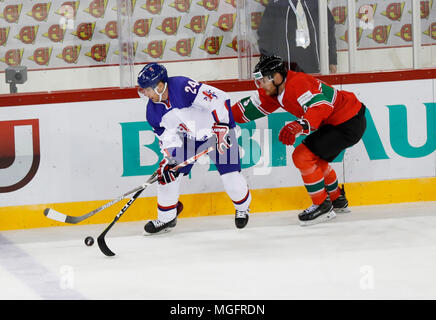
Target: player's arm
{"type": "Point", "coordinates": [169, 138]}
{"type": "Point", "coordinates": [318, 112]}
{"type": "Point", "coordinates": [317, 105]}
{"type": "Point", "coordinates": [205, 97]}
{"type": "Point", "coordinates": [170, 143]}
{"type": "Point", "coordinates": [215, 101]}
{"type": "Point", "coordinates": [254, 107]}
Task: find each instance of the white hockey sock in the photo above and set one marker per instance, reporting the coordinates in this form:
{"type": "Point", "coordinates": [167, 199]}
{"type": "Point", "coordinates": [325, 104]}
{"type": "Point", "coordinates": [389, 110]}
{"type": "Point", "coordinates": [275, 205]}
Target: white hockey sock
{"type": "Point", "coordinates": [237, 189]}
{"type": "Point", "coordinates": [167, 200]}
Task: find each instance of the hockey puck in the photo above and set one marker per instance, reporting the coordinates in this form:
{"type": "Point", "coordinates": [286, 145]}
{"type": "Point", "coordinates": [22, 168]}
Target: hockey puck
{"type": "Point", "coordinates": [89, 241]}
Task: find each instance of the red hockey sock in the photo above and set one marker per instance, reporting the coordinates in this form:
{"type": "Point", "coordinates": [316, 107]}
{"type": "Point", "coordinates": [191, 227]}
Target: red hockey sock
{"type": "Point", "coordinates": [330, 179]}
{"type": "Point", "coordinates": [313, 176]}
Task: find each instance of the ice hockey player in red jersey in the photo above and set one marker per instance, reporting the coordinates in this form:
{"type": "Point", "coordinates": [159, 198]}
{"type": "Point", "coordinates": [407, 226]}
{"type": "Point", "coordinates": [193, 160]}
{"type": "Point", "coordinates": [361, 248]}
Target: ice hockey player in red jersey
{"type": "Point", "coordinates": [333, 120]}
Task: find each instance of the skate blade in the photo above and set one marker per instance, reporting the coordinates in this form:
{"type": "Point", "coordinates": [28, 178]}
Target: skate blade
{"type": "Point", "coordinates": [328, 216]}
{"type": "Point", "coordinates": [157, 233]}
{"type": "Point", "coordinates": [342, 210]}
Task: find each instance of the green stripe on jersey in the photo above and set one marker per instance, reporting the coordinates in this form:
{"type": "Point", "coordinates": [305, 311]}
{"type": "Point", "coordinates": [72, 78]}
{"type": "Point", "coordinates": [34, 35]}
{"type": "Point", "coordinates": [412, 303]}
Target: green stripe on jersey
{"type": "Point", "coordinates": [327, 95]}
{"type": "Point", "coordinates": [328, 92]}
{"type": "Point", "coordinates": [251, 110]}
{"type": "Point", "coordinates": [317, 98]}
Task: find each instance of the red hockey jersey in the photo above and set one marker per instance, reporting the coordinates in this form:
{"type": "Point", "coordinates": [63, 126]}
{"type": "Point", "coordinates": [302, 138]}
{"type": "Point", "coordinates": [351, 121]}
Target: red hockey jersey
{"type": "Point", "coordinates": [304, 97]}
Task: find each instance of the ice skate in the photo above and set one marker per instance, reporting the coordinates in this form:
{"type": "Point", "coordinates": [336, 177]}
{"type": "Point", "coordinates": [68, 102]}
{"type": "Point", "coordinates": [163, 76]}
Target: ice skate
{"type": "Point", "coordinates": [317, 213]}
{"type": "Point", "coordinates": [340, 205]}
{"type": "Point", "coordinates": [155, 226]}
{"type": "Point", "coordinates": [241, 218]}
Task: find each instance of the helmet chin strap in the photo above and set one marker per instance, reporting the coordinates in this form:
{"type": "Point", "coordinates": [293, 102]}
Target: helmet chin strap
{"type": "Point", "coordinates": [160, 94]}
{"type": "Point", "coordinates": [278, 85]}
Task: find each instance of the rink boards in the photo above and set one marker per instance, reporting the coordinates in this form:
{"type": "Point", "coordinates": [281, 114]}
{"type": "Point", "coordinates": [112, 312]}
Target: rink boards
{"type": "Point", "coordinates": [74, 157]}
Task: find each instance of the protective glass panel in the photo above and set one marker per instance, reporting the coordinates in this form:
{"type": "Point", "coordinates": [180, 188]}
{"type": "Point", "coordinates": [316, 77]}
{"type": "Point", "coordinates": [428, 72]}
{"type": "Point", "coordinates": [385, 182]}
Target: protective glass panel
{"type": "Point", "coordinates": [125, 43]}
{"type": "Point", "coordinates": [100, 43]}
{"type": "Point", "coordinates": [382, 38]}
{"type": "Point", "coordinates": [428, 34]}
{"type": "Point", "coordinates": [341, 13]}
{"type": "Point", "coordinates": [290, 29]}
{"type": "Point", "coordinates": [383, 43]}
{"type": "Point", "coordinates": [62, 45]}
{"type": "Point", "coordinates": [384, 35]}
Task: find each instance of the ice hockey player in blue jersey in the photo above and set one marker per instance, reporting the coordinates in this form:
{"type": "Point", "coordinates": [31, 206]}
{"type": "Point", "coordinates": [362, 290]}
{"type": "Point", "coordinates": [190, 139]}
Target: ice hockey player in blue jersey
{"type": "Point", "coordinates": [188, 117]}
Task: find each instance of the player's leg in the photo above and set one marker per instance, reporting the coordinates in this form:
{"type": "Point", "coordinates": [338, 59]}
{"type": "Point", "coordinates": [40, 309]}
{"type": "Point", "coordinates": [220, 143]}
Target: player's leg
{"type": "Point", "coordinates": [327, 143]}
{"type": "Point", "coordinates": [235, 185]}
{"type": "Point", "coordinates": [313, 177]}
{"type": "Point", "coordinates": [312, 158]}
{"type": "Point", "coordinates": [168, 207]}
{"type": "Point", "coordinates": [336, 193]}
{"type": "Point", "coordinates": [168, 204]}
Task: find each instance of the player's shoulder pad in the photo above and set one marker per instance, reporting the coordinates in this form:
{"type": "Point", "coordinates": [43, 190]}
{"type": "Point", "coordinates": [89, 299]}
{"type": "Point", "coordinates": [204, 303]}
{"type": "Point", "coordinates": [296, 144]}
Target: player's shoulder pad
{"type": "Point", "coordinates": [182, 91]}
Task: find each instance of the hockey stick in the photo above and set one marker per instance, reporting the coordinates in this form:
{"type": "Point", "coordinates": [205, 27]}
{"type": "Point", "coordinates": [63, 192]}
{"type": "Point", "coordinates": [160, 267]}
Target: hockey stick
{"type": "Point", "coordinates": [101, 241]}
{"type": "Point", "coordinates": [61, 217]}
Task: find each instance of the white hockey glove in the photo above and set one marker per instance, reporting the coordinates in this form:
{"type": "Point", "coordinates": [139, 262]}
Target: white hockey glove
{"type": "Point", "coordinates": [165, 172]}
{"type": "Point", "coordinates": [221, 131]}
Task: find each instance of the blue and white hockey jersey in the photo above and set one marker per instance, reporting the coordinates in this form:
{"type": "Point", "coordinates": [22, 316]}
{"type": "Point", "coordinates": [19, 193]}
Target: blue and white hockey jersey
{"type": "Point", "coordinates": [191, 110]}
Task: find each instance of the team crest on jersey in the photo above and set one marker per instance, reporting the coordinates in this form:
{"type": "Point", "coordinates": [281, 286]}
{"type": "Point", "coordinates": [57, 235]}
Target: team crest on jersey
{"type": "Point", "coordinates": [209, 95]}
{"type": "Point", "coordinates": [183, 128]}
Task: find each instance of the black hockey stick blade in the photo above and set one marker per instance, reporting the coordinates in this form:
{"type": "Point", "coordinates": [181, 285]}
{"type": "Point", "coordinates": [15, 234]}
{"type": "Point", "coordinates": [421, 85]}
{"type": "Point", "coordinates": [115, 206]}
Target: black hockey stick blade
{"type": "Point", "coordinates": [100, 240]}
{"type": "Point", "coordinates": [102, 243]}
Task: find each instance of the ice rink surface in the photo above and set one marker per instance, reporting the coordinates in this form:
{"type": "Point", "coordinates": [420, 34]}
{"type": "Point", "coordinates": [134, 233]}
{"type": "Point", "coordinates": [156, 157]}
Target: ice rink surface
{"type": "Point", "coordinates": [375, 252]}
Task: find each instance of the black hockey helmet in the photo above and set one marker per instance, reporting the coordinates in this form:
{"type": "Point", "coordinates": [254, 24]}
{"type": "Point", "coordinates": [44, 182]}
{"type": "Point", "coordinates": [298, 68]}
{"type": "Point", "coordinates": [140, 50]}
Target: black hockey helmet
{"type": "Point", "coordinates": [268, 65]}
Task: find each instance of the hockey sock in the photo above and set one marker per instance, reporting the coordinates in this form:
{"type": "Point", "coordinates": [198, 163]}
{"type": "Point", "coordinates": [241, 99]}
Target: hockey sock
{"type": "Point", "coordinates": [167, 199]}
{"type": "Point", "coordinates": [313, 176]}
{"type": "Point", "coordinates": [330, 179]}
{"type": "Point", "coordinates": [237, 189]}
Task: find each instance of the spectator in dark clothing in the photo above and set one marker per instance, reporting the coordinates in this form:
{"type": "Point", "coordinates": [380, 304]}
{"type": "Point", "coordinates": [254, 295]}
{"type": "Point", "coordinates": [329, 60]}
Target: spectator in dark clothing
{"type": "Point", "coordinates": [293, 35]}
